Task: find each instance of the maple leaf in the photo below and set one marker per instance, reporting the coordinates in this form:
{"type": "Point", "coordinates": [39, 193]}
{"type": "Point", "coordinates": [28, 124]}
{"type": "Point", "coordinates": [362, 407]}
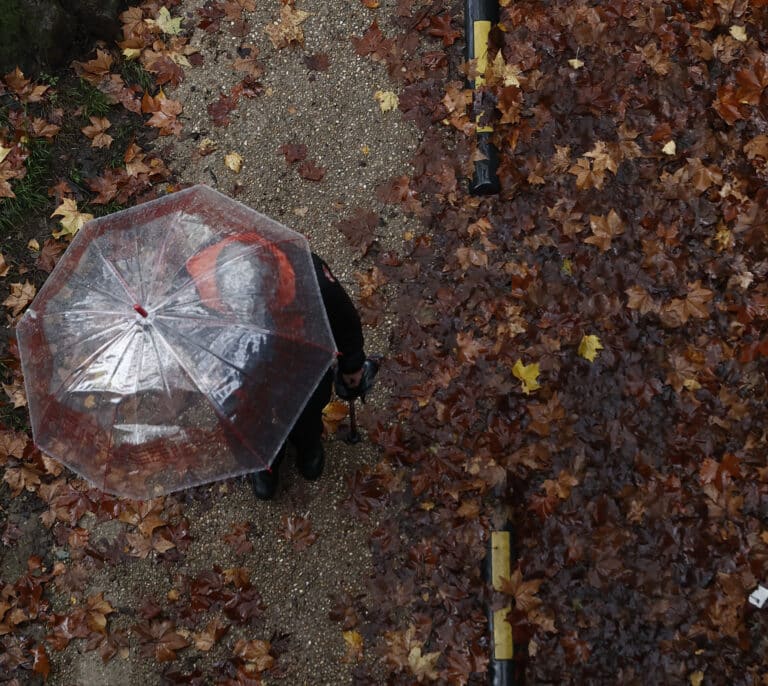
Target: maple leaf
{"type": "Point", "coordinates": [372, 43]}
{"type": "Point", "coordinates": [423, 665]}
{"type": "Point", "coordinates": [96, 132]}
{"type": "Point", "coordinates": [440, 27]}
{"type": "Point", "coordinates": [297, 530]}
{"type": "Point", "coordinates": [604, 229]}
{"type": "Point", "coordinates": [255, 653]}
{"type": "Point", "coordinates": [523, 592]}
{"type": "Point", "coordinates": [49, 254]}
{"type": "Point", "coordinates": [287, 30]}
{"type": "Point", "coordinates": [387, 100]}
{"type": "Point", "coordinates": [640, 299]}
{"type": "Point", "coordinates": [310, 171]}
{"type": "Point", "coordinates": [160, 639]}
{"type": "Point", "coordinates": [71, 219]}
{"type": "Point", "coordinates": [207, 638]}
{"type": "Point", "coordinates": [359, 229]}
{"type": "Point", "coordinates": [293, 152]}
{"type": "Point", "coordinates": [589, 346]}
{"type": "Point", "coordinates": [728, 104]}
{"type": "Point", "coordinates": [164, 113]}
{"type": "Point", "coordinates": [528, 375]}
{"type": "Point", "coordinates": [586, 176]}
{"type": "Point", "coordinates": [247, 61]}
{"type": "Point", "coordinates": [317, 62]}
{"type": "Point", "coordinates": [166, 23]}
{"type": "Point", "coordinates": [20, 296]}
{"type": "Point", "coordinates": [238, 538]}
{"type": "Point", "coordinates": [12, 444]}
{"type": "Point", "coordinates": [354, 642]}
{"type": "Point", "coordinates": [96, 69]}
{"type": "Point", "coordinates": [23, 477]}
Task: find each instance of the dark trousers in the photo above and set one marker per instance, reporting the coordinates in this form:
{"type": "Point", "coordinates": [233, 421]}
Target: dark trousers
{"type": "Point", "coordinates": [308, 429]}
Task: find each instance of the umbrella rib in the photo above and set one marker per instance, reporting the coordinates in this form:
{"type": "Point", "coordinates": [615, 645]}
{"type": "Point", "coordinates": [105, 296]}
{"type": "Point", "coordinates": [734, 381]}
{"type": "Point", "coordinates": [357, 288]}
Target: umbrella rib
{"type": "Point", "coordinates": [93, 287]}
{"type": "Point", "coordinates": [115, 272]}
{"type": "Point", "coordinates": [217, 356]}
{"type": "Point", "coordinates": [221, 321]}
{"type": "Point", "coordinates": [76, 374]}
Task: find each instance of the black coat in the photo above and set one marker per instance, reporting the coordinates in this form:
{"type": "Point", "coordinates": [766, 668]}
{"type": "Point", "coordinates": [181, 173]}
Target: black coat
{"type": "Point", "coordinates": [343, 317]}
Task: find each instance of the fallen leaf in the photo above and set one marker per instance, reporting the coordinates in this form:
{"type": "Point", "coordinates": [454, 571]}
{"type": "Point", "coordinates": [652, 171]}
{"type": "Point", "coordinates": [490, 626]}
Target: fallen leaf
{"type": "Point", "coordinates": [528, 375]}
{"type": "Point", "coordinates": [589, 346]}
{"type": "Point", "coordinates": [576, 63]}
{"type": "Point", "coordinates": [71, 219]}
{"type": "Point", "coordinates": [387, 100]}
{"type": "Point", "coordinates": [354, 641]}
{"type": "Point", "coordinates": [669, 148]}
{"type": "Point", "coordinates": [738, 32]}
{"type": "Point", "coordinates": [167, 24]}
{"type": "Point", "coordinates": [21, 295]}
{"type": "Point", "coordinates": [287, 30]}
{"type": "Point", "coordinates": [233, 161]}
{"type": "Point", "coordinates": [96, 132]}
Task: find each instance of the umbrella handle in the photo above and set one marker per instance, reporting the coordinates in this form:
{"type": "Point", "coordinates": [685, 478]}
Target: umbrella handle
{"type": "Point", "coordinates": [353, 436]}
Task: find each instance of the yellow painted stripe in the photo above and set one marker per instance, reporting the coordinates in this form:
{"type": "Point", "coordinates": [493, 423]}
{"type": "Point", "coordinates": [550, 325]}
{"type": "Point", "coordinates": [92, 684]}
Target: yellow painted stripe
{"type": "Point", "coordinates": [503, 646]}
{"type": "Point", "coordinates": [480, 31]}
{"type": "Point", "coordinates": [499, 558]}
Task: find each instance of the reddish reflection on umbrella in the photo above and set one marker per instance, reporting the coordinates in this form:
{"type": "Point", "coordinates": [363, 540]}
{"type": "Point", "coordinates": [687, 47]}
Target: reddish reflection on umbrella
{"type": "Point", "coordinates": [174, 344]}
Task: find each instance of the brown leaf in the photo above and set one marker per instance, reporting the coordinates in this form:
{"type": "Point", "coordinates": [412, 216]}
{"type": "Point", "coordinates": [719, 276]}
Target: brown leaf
{"type": "Point", "coordinates": [310, 171]}
{"type": "Point", "coordinates": [294, 152]}
{"type": "Point", "coordinates": [359, 229]}
{"type": "Point", "coordinates": [317, 62]}
{"type": "Point", "coordinates": [287, 30]}
{"type": "Point", "coordinates": [297, 530]}
{"type": "Point", "coordinates": [21, 295]}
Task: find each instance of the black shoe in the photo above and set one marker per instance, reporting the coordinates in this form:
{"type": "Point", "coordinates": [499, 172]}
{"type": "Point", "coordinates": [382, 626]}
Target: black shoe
{"type": "Point", "coordinates": [311, 462]}
{"type": "Point", "coordinates": [264, 483]}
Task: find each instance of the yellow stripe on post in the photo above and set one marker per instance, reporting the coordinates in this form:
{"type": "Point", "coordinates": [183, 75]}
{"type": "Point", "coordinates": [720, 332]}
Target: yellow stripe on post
{"type": "Point", "coordinates": [481, 30]}
{"type": "Point", "coordinates": [503, 645]}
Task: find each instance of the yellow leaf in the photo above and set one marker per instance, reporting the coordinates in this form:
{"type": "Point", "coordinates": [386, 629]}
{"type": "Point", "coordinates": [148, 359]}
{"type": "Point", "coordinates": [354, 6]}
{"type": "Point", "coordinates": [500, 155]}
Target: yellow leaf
{"type": "Point", "coordinates": [167, 24]}
{"type": "Point", "coordinates": [365, 149]}
{"type": "Point", "coordinates": [670, 148]}
{"type": "Point", "coordinates": [696, 678]}
{"type": "Point", "coordinates": [72, 220]}
{"type": "Point", "coordinates": [4, 152]}
{"type": "Point", "coordinates": [691, 384]}
{"type": "Point", "coordinates": [131, 53]}
{"type": "Point", "coordinates": [234, 162]}
{"type": "Point", "coordinates": [527, 374]}
{"type": "Point", "coordinates": [33, 244]}
{"type": "Point", "coordinates": [354, 643]}
{"type": "Point", "coordinates": [589, 346]}
{"type": "Point", "coordinates": [387, 100]}
{"type": "Point", "coordinates": [738, 32]}
{"type": "Point", "coordinates": [576, 63]}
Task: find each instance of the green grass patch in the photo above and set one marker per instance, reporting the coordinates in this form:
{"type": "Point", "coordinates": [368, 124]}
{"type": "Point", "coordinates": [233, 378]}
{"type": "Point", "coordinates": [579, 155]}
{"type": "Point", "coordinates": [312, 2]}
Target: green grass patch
{"type": "Point", "coordinates": [31, 190]}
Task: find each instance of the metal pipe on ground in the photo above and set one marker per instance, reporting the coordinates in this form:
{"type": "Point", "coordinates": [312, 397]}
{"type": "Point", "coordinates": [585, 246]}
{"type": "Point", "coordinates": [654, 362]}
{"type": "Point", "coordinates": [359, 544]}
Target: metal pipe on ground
{"type": "Point", "coordinates": [479, 18]}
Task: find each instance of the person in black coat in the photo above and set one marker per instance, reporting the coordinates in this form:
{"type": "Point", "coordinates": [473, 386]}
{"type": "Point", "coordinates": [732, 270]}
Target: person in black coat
{"type": "Point", "coordinates": [306, 434]}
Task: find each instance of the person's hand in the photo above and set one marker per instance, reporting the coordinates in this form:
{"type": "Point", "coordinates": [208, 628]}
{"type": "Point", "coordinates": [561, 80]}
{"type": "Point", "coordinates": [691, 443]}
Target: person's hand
{"type": "Point", "coordinates": [353, 380]}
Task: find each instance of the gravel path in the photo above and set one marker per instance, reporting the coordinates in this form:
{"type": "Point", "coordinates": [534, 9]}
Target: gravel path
{"type": "Point", "coordinates": [335, 115]}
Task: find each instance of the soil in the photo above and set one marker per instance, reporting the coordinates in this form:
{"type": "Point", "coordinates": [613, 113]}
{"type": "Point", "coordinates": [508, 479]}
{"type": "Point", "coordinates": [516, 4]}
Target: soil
{"type": "Point", "coordinates": [335, 114]}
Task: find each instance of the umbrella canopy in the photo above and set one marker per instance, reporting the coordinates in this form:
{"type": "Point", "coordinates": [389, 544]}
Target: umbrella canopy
{"type": "Point", "coordinates": [174, 344]}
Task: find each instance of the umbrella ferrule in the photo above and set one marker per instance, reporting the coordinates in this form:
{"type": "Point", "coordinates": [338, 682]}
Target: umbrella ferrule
{"type": "Point", "coordinates": [140, 310]}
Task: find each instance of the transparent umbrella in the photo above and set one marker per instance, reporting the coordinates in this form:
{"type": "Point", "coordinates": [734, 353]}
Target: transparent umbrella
{"type": "Point", "coordinates": [174, 344]}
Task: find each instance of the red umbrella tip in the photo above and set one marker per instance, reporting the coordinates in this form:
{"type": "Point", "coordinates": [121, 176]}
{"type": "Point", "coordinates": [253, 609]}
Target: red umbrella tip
{"type": "Point", "coordinates": [140, 310]}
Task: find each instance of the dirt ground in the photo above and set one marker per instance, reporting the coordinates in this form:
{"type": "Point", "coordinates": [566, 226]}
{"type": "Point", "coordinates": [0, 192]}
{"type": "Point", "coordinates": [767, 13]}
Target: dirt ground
{"type": "Point", "coordinates": [334, 113]}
